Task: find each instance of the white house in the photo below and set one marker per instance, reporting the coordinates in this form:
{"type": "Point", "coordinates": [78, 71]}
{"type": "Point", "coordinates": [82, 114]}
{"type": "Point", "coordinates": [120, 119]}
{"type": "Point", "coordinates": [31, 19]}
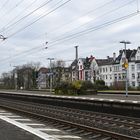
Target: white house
{"type": "Point", "coordinates": [111, 69]}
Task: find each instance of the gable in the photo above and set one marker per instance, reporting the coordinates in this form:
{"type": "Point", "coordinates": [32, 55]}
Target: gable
{"type": "Point", "coordinates": [138, 54]}
{"type": "Point", "coordinates": [94, 64]}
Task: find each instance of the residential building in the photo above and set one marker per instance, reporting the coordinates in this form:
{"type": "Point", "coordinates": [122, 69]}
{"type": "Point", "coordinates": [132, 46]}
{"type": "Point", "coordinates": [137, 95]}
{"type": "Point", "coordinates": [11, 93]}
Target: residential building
{"type": "Point", "coordinates": [41, 80]}
{"type": "Point", "coordinates": [66, 74]}
{"type": "Point", "coordinates": [110, 69]}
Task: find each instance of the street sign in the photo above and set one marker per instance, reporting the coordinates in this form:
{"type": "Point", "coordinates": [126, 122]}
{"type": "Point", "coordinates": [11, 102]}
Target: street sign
{"type": "Point", "coordinates": [125, 64]}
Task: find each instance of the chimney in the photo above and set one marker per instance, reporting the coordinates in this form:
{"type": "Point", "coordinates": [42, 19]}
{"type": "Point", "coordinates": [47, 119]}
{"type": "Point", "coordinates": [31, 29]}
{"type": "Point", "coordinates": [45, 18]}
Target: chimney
{"type": "Point", "coordinates": [108, 57]}
{"type": "Point", "coordinates": [114, 56]}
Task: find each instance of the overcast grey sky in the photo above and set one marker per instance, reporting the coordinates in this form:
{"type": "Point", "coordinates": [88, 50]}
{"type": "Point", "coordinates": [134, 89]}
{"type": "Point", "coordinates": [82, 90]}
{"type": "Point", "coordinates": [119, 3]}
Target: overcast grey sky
{"type": "Point", "coordinates": [65, 24]}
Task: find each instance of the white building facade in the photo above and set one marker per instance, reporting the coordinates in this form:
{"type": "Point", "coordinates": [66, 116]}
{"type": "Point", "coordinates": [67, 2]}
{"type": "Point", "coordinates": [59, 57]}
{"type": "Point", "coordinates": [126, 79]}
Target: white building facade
{"type": "Point", "coordinates": [110, 69]}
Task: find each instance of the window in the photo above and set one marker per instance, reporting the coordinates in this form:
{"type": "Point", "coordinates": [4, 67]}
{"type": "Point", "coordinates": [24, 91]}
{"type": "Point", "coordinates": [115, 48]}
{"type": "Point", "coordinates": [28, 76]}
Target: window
{"type": "Point", "coordinates": [114, 68]}
{"type": "Point", "coordinates": [73, 73]}
{"type": "Point", "coordinates": [106, 76]}
{"type": "Point", "coordinates": [133, 76]}
{"type": "Point", "coordinates": [133, 84]}
{"type": "Point", "coordinates": [106, 69]}
{"type": "Point", "coordinates": [86, 75]}
{"type": "Point", "coordinates": [103, 69]}
{"type": "Point", "coordinates": [118, 68]}
{"type": "Point", "coordinates": [123, 76]}
{"type": "Point", "coordinates": [138, 67]}
{"type": "Point", "coordinates": [110, 77]}
{"type": "Point", "coordinates": [110, 69]}
{"type": "Point", "coordinates": [132, 67]}
{"type": "Point", "coordinates": [138, 75]}
{"type": "Point", "coordinates": [119, 76]}
{"type": "Point", "coordinates": [115, 76]}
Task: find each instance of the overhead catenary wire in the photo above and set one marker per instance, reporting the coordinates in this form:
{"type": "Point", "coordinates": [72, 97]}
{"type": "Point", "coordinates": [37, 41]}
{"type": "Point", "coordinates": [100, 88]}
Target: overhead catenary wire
{"type": "Point", "coordinates": [27, 15]}
{"type": "Point", "coordinates": [9, 11]}
{"type": "Point", "coordinates": [109, 12]}
{"type": "Point", "coordinates": [73, 20]}
{"type": "Point", "coordinates": [41, 17]}
{"type": "Point", "coordinates": [19, 14]}
{"type": "Point", "coordinates": [75, 35]}
{"type": "Point", "coordinates": [95, 28]}
{"type": "Point", "coordinates": [126, 17]}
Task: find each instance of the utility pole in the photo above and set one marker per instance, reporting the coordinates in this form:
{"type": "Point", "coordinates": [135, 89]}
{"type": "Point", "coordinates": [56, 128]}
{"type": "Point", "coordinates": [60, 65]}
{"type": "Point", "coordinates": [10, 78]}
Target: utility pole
{"type": "Point", "coordinates": [76, 58]}
{"type": "Point", "coordinates": [125, 65]}
{"type": "Point", "coordinates": [50, 73]}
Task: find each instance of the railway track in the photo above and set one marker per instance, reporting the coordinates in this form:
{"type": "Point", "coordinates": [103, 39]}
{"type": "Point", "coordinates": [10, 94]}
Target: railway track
{"type": "Point", "coordinates": [90, 125]}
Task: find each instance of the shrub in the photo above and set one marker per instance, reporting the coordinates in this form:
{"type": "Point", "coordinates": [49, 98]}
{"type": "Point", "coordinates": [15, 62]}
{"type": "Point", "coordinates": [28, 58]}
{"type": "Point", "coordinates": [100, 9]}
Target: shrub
{"type": "Point", "coordinates": [100, 85]}
{"type": "Point", "coordinates": [87, 85]}
{"type": "Point", "coordinates": [62, 88]}
{"type": "Point", "coordinates": [100, 82]}
{"type": "Point", "coordinates": [75, 88]}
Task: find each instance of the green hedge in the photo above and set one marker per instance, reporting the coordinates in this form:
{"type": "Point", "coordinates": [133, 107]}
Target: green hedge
{"type": "Point", "coordinates": [75, 88]}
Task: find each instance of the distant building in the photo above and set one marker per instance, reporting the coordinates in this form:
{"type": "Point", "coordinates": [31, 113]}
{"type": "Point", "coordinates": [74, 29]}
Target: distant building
{"type": "Point", "coordinates": [110, 69]}
{"type": "Point", "coordinates": [41, 80]}
{"type": "Point", "coordinates": [66, 74]}
{"type": "Point", "coordinates": [133, 57]}
{"type": "Point", "coordinates": [73, 69]}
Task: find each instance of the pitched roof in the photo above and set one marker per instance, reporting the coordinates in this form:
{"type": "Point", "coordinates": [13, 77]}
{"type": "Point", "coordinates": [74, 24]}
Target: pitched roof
{"type": "Point", "coordinates": [102, 62]}
{"type": "Point", "coordinates": [43, 70]}
{"type": "Point", "coordinates": [133, 53]}
{"type": "Point", "coordinates": [129, 55]}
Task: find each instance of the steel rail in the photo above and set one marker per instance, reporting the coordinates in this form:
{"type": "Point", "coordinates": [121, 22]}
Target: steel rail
{"type": "Point", "coordinates": [87, 128]}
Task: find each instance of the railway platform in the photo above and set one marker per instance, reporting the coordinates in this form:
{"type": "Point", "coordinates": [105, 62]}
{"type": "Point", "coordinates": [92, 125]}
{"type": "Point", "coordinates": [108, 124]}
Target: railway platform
{"type": "Point", "coordinates": [18, 127]}
{"type": "Point", "coordinates": [11, 132]}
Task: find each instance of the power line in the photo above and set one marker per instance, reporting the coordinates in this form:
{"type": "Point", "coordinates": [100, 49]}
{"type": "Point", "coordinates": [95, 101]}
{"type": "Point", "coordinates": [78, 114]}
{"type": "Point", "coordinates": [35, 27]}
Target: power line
{"type": "Point", "coordinates": [94, 28]}
{"type": "Point", "coordinates": [111, 11]}
{"type": "Point", "coordinates": [19, 14]}
{"type": "Point", "coordinates": [39, 18]}
{"type": "Point", "coordinates": [86, 31]}
{"type": "Point", "coordinates": [16, 5]}
{"type": "Point", "coordinates": [71, 21]}
{"type": "Point", "coordinates": [89, 30]}
{"type": "Point", "coordinates": [24, 17]}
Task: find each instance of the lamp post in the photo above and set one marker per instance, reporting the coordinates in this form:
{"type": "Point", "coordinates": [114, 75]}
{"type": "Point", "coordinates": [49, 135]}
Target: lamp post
{"type": "Point", "coordinates": [126, 66]}
{"type": "Point", "coordinates": [15, 76]}
{"type": "Point", "coordinates": [50, 73]}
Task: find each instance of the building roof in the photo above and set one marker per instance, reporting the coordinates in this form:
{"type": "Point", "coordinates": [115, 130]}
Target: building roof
{"type": "Point", "coordinates": [129, 55]}
{"type": "Point", "coordinates": [43, 70]}
{"type": "Point", "coordinates": [102, 62]}
{"type": "Point", "coordinates": [133, 53]}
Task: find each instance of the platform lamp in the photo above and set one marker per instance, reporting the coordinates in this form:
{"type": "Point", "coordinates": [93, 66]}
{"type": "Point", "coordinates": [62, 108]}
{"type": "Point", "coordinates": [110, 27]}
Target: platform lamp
{"type": "Point", "coordinates": [125, 65]}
